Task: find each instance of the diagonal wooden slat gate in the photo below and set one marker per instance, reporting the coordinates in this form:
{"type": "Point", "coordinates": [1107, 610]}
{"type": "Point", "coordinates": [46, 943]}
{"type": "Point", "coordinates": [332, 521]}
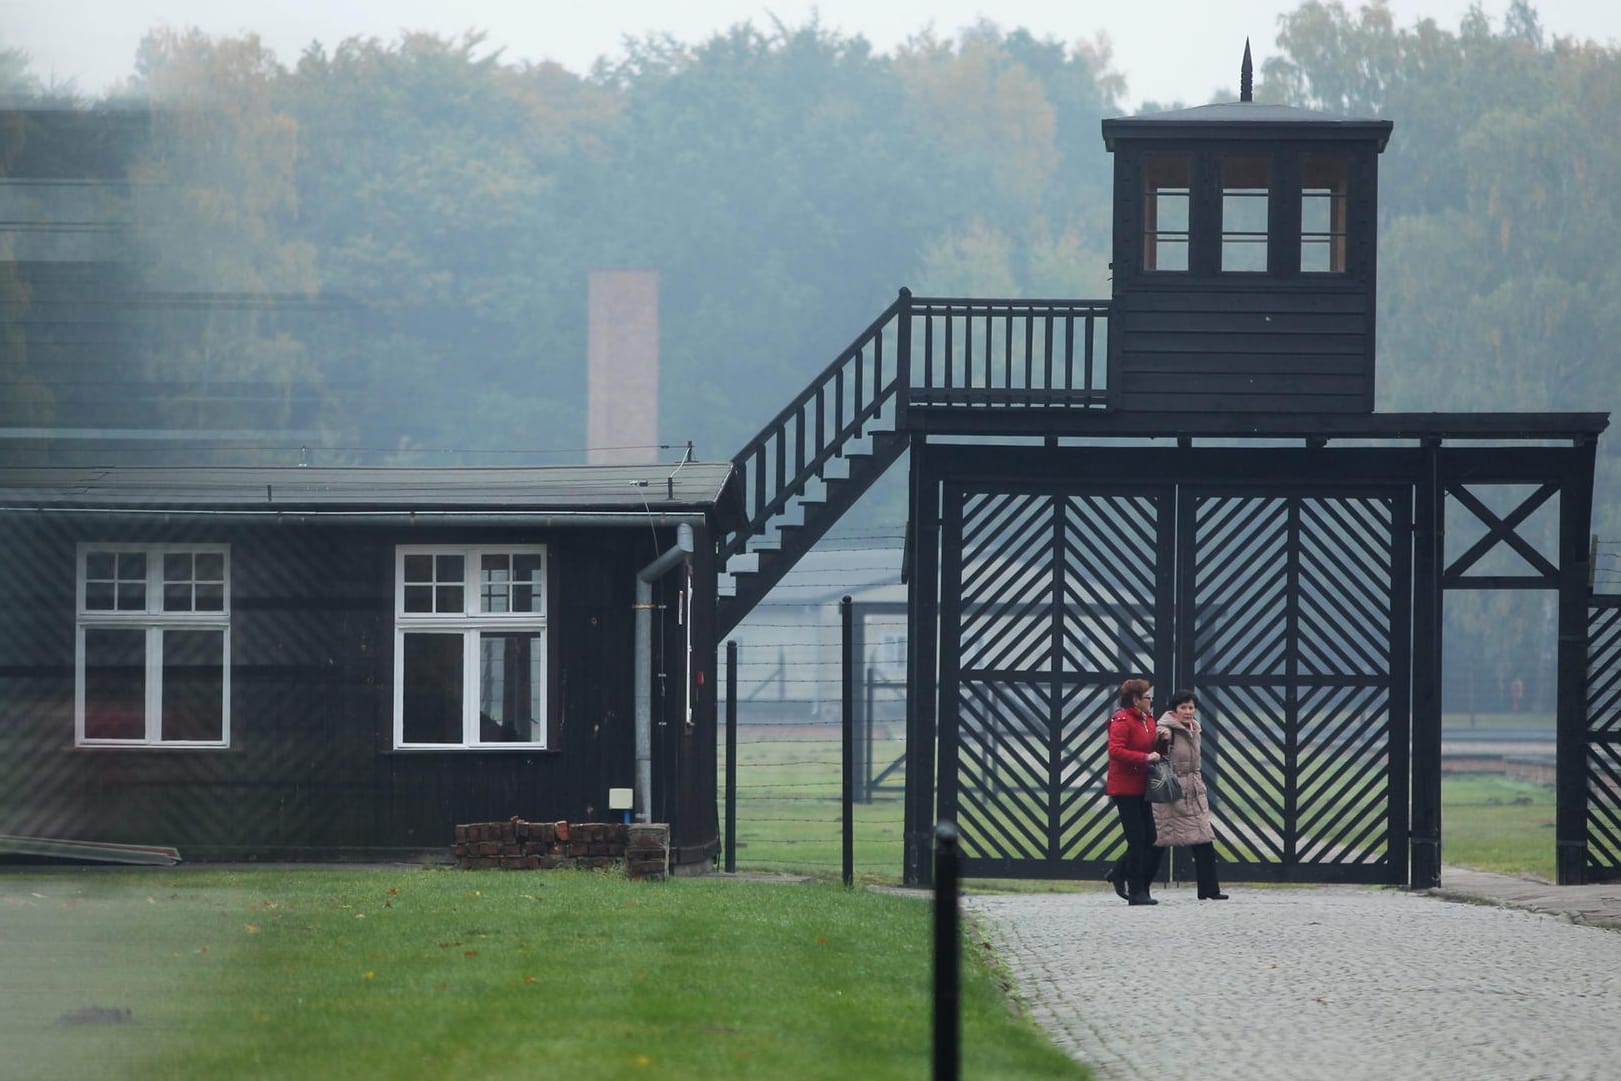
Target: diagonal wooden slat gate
{"type": "Point", "coordinates": [1283, 609]}
{"type": "Point", "coordinates": [1604, 739]}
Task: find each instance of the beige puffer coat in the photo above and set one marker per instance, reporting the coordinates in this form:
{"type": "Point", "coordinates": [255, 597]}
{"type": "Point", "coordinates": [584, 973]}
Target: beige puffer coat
{"type": "Point", "coordinates": [1187, 821]}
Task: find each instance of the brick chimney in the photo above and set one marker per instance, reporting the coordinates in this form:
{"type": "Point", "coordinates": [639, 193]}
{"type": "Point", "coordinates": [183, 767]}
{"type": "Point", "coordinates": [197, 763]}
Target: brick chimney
{"type": "Point", "coordinates": [622, 357]}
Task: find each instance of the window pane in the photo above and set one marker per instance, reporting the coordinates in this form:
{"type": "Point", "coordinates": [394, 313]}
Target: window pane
{"type": "Point", "coordinates": [114, 684]}
{"type": "Point", "coordinates": [1168, 184]}
{"type": "Point", "coordinates": [176, 597]}
{"type": "Point", "coordinates": [1322, 215]}
{"type": "Point", "coordinates": [509, 688]}
{"type": "Point", "coordinates": [449, 568]}
{"type": "Point", "coordinates": [1243, 254]}
{"type": "Point", "coordinates": [1314, 212]}
{"type": "Point", "coordinates": [210, 567]}
{"type": "Point", "coordinates": [1171, 211]}
{"type": "Point", "coordinates": [210, 598]}
{"type": "Point", "coordinates": [526, 585]}
{"type": "Point", "coordinates": [1170, 253]}
{"type": "Point", "coordinates": [1315, 255]}
{"type": "Point", "coordinates": [419, 598]}
{"type": "Point", "coordinates": [194, 685]}
{"type": "Point", "coordinates": [177, 566]}
{"type": "Point", "coordinates": [448, 599]}
{"type": "Point", "coordinates": [1244, 199]}
{"type": "Point", "coordinates": [433, 688]}
{"type": "Point", "coordinates": [98, 596]}
{"type": "Point", "coordinates": [132, 596]}
{"type": "Point", "coordinates": [100, 565]}
{"type": "Point", "coordinates": [132, 565]}
{"type": "Point", "coordinates": [419, 568]}
{"type": "Point", "coordinates": [495, 572]}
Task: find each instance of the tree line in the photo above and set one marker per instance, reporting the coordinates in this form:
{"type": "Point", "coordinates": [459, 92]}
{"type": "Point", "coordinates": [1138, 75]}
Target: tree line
{"type": "Point", "coordinates": [402, 230]}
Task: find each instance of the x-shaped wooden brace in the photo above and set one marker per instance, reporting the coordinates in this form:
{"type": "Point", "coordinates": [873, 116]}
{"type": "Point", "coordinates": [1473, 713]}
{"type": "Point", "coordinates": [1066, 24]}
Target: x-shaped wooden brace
{"type": "Point", "coordinates": [1502, 530]}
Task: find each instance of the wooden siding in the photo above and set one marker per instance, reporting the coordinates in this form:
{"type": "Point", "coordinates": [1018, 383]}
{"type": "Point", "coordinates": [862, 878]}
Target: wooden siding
{"type": "Point", "coordinates": [1181, 349]}
{"type": "Point", "coordinates": [311, 770]}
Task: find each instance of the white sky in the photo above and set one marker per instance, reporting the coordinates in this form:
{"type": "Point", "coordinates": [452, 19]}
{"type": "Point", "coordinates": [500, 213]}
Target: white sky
{"type": "Point", "coordinates": [1168, 49]}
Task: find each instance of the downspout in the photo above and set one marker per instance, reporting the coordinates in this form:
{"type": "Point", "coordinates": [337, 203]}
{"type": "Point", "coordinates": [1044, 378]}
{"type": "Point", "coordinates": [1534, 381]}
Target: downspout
{"type": "Point", "coordinates": [644, 665]}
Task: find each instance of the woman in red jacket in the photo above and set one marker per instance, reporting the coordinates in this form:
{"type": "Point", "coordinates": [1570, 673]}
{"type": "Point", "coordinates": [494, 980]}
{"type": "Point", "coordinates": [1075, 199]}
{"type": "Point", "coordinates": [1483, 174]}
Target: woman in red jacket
{"type": "Point", "coordinates": [1133, 746]}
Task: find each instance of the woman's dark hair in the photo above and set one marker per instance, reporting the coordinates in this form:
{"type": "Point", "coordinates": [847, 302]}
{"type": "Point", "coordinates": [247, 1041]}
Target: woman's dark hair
{"type": "Point", "coordinates": [1131, 690]}
{"type": "Point", "coordinates": [1178, 697]}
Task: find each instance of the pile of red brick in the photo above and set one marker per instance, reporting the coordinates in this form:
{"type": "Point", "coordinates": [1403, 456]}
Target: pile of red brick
{"type": "Point", "coordinates": [516, 845]}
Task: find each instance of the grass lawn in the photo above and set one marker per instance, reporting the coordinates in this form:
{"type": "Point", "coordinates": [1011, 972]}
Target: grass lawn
{"type": "Point", "coordinates": [1493, 823]}
{"type": "Point", "coordinates": [788, 817]}
{"type": "Point", "coordinates": [434, 973]}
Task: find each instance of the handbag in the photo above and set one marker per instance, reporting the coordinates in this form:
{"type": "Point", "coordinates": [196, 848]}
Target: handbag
{"type": "Point", "coordinates": [1163, 787]}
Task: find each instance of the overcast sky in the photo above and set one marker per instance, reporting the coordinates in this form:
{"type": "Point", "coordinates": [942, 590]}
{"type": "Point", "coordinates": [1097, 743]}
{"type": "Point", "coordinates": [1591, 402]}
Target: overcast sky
{"type": "Point", "coordinates": [1168, 49]}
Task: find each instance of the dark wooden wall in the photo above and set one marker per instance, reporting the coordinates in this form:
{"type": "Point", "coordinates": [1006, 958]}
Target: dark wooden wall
{"type": "Point", "coordinates": [311, 770]}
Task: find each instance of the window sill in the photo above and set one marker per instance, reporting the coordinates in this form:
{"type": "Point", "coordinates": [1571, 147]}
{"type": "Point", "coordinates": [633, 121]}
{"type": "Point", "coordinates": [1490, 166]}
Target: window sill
{"type": "Point", "coordinates": [462, 749]}
{"type": "Point", "coordinates": [170, 747]}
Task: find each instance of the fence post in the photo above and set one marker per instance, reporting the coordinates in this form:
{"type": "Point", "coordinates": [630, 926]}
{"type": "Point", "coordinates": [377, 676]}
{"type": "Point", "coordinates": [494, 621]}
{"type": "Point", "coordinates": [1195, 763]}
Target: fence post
{"type": "Point", "coordinates": [731, 757]}
{"type": "Point", "coordinates": [903, 358]}
{"type": "Point", "coordinates": [847, 714]}
{"type": "Point", "coordinates": [947, 1004]}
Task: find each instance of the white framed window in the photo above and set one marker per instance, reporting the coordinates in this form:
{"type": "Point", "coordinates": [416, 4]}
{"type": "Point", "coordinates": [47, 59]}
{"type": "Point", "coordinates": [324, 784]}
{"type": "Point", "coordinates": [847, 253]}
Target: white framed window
{"type": "Point", "coordinates": [470, 646]}
{"type": "Point", "coordinates": [152, 649]}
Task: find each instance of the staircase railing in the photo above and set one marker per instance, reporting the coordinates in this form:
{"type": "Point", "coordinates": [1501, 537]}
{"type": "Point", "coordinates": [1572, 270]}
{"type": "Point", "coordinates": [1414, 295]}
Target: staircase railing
{"type": "Point", "coordinates": [954, 352]}
{"type": "Point", "coordinates": [815, 426]}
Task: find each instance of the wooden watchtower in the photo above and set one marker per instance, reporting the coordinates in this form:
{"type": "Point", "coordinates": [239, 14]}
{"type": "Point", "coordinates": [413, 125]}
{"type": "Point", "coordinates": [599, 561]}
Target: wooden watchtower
{"type": "Point", "coordinates": [1187, 481]}
{"type": "Point", "coordinates": [1244, 259]}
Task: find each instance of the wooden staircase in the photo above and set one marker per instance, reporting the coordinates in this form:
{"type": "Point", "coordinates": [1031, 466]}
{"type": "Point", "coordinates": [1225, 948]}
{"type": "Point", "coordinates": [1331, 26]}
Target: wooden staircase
{"type": "Point", "coordinates": [810, 464]}
{"type": "Point", "coordinates": [1010, 366]}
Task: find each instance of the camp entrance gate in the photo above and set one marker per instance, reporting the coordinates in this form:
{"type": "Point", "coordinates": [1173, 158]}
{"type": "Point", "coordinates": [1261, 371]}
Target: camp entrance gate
{"type": "Point", "coordinates": [1296, 590]}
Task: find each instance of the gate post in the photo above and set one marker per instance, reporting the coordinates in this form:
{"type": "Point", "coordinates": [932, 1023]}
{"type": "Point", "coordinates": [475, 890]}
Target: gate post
{"type": "Point", "coordinates": [1570, 814]}
{"type": "Point", "coordinates": [1429, 565]}
{"type": "Point", "coordinates": [922, 635]}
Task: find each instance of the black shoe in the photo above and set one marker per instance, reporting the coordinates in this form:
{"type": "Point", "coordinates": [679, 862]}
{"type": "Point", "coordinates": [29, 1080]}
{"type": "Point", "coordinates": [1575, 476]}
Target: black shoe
{"type": "Point", "coordinates": [1212, 897]}
{"type": "Point", "coordinates": [1141, 899]}
{"type": "Point", "coordinates": [1119, 884]}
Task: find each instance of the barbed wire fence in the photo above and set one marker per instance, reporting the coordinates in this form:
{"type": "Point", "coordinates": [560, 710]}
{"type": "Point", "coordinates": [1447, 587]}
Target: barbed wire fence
{"type": "Point", "coordinates": [1606, 565]}
{"type": "Point", "coordinates": [789, 809]}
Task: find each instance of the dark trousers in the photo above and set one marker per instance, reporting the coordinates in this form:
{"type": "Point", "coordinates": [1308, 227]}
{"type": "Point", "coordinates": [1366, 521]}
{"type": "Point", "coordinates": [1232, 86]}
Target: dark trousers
{"type": "Point", "coordinates": [1140, 865]}
{"type": "Point", "coordinates": [1204, 869]}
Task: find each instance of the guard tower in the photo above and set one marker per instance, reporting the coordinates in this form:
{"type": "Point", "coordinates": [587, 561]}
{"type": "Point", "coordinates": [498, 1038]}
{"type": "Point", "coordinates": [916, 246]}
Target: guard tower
{"type": "Point", "coordinates": [1188, 481]}
{"type": "Point", "coordinates": [1244, 258]}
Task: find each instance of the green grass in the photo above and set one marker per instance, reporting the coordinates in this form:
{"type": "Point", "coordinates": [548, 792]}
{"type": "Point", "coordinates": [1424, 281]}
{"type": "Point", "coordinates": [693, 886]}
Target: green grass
{"type": "Point", "coordinates": [1492, 823]}
{"type": "Point", "coordinates": [432, 973]}
{"type": "Point", "coordinates": [788, 815]}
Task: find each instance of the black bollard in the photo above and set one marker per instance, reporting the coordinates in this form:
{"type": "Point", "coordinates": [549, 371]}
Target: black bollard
{"type": "Point", "coordinates": [947, 939]}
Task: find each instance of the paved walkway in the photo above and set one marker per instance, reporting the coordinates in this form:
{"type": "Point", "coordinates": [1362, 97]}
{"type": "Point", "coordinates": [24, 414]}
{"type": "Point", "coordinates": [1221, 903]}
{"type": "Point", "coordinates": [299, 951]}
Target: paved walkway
{"type": "Point", "coordinates": [1342, 983]}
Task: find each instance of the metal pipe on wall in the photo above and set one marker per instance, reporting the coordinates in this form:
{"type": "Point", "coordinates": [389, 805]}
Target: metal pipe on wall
{"type": "Point", "coordinates": [645, 578]}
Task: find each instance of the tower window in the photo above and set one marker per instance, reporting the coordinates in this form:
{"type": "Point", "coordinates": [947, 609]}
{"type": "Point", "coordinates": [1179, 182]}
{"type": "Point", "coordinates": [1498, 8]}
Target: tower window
{"type": "Point", "coordinates": [1243, 214]}
{"type": "Point", "coordinates": [1167, 186]}
{"type": "Point", "coordinates": [1322, 216]}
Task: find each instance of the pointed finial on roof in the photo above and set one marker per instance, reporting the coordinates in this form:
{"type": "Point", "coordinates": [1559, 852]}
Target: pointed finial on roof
{"type": "Point", "coordinates": [1246, 76]}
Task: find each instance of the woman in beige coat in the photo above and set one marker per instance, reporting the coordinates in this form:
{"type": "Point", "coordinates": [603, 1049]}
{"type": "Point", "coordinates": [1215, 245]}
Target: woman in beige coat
{"type": "Point", "coordinates": [1187, 821]}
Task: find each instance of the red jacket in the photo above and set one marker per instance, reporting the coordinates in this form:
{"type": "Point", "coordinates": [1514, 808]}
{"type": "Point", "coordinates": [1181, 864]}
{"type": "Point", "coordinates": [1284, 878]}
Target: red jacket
{"type": "Point", "coordinates": [1131, 740]}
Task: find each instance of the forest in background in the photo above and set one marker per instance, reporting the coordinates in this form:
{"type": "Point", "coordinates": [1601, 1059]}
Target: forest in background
{"type": "Point", "coordinates": [384, 245]}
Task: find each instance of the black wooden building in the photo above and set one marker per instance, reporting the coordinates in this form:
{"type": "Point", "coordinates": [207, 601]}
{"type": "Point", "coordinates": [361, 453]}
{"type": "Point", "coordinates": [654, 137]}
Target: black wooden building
{"type": "Point", "coordinates": [274, 663]}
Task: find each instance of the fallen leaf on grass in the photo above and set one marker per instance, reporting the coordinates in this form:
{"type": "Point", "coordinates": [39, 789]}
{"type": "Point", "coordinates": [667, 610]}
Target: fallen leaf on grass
{"type": "Point", "coordinates": [369, 975]}
{"type": "Point", "coordinates": [528, 979]}
{"type": "Point", "coordinates": [469, 953]}
{"type": "Point", "coordinates": [393, 891]}
{"type": "Point", "coordinates": [251, 928]}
